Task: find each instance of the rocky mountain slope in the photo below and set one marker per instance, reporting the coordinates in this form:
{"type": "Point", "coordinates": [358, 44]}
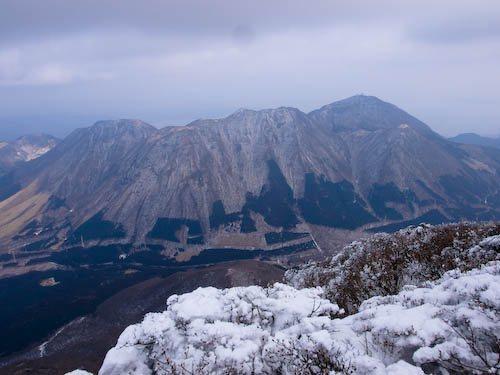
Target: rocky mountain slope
{"type": "Point", "coordinates": [24, 148]}
{"type": "Point", "coordinates": [253, 180]}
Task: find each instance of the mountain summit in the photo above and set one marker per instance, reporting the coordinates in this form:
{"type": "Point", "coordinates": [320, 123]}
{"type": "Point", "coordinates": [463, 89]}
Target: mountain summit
{"type": "Point", "coordinates": [361, 112]}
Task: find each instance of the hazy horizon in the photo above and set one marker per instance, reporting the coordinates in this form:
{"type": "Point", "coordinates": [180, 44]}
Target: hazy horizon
{"type": "Point", "coordinates": [62, 125]}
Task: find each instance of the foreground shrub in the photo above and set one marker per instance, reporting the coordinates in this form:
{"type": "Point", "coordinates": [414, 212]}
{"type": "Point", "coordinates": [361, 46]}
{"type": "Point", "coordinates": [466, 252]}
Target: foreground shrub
{"type": "Point", "coordinates": [384, 264]}
{"type": "Point", "coordinates": [452, 325]}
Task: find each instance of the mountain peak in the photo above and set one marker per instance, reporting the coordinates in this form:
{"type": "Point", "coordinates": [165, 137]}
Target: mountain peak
{"type": "Point", "coordinates": [282, 109]}
{"type": "Point", "coordinates": [360, 102]}
{"type": "Point", "coordinates": [280, 115]}
{"type": "Point", "coordinates": [362, 98]}
{"type": "Point", "coordinates": [124, 127]}
{"type": "Point", "coordinates": [123, 123]}
{"type": "Point", "coordinates": [362, 112]}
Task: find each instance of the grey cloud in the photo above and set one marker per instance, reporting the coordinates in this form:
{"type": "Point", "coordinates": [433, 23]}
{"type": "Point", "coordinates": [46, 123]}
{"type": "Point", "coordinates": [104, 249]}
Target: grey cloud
{"type": "Point", "coordinates": [214, 17]}
{"type": "Point", "coordinates": [465, 22]}
{"type": "Point", "coordinates": [171, 61]}
{"type": "Point", "coordinates": [25, 19]}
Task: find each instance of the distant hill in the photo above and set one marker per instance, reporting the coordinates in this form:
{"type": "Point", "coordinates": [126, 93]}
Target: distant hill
{"type": "Point", "coordinates": [25, 148]}
{"type": "Point", "coordinates": [476, 139]}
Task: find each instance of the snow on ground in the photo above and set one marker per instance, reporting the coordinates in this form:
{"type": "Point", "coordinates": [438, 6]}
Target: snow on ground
{"type": "Point", "coordinates": [78, 372]}
{"type": "Point", "coordinates": [452, 323]}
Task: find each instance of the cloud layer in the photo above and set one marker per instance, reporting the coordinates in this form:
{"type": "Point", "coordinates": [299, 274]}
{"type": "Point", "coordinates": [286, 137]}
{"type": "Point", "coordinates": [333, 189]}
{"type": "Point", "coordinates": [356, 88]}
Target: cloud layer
{"type": "Point", "coordinates": [171, 61]}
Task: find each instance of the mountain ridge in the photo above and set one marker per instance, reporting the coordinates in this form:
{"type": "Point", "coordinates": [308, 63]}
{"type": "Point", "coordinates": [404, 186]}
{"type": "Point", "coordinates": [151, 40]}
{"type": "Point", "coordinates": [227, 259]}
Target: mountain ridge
{"type": "Point", "coordinates": [476, 139]}
{"type": "Point", "coordinates": [360, 158]}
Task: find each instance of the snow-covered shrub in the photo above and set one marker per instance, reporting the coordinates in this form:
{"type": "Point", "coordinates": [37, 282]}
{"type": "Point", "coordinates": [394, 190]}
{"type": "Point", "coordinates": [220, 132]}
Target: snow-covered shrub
{"type": "Point", "coordinates": [252, 330]}
{"type": "Point", "coordinates": [384, 264]}
{"type": "Point", "coordinates": [450, 326]}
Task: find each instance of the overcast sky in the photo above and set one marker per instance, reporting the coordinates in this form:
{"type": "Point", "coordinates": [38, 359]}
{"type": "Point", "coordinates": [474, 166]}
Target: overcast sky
{"type": "Point", "coordinates": [64, 64]}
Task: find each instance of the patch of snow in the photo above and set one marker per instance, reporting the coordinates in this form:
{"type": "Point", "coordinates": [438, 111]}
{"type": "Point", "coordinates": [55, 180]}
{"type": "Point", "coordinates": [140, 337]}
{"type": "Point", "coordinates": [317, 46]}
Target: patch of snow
{"type": "Point", "coordinates": [78, 372]}
{"type": "Point", "coordinates": [42, 349]}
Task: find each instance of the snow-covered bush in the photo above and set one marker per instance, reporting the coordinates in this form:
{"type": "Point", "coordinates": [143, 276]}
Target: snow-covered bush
{"type": "Point", "coordinates": [451, 325]}
{"type": "Point", "coordinates": [252, 330]}
{"type": "Point", "coordinates": [384, 264]}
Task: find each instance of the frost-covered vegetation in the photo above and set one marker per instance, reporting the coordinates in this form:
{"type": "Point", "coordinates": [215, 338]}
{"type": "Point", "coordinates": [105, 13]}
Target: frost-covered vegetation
{"type": "Point", "coordinates": [383, 264]}
{"type": "Point", "coordinates": [424, 300]}
{"type": "Point", "coordinates": [246, 330]}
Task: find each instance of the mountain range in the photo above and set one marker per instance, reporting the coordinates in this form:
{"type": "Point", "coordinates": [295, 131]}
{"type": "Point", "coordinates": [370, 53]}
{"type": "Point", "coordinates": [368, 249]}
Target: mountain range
{"type": "Point", "coordinates": [252, 180]}
{"type": "Point", "coordinates": [476, 139]}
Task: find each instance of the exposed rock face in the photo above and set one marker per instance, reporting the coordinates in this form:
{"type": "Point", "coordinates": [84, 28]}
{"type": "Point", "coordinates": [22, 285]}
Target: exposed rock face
{"type": "Point", "coordinates": [24, 148]}
{"type": "Point", "coordinates": [356, 164]}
